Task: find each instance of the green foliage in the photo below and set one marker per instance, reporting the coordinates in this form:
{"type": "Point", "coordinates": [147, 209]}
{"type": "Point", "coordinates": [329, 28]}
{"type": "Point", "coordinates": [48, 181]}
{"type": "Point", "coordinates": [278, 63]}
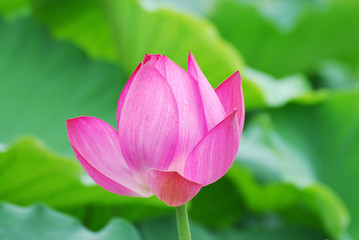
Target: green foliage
{"type": "Point", "coordinates": [138, 31]}
{"type": "Point", "coordinates": [326, 32]}
{"type": "Point", "coordinates": [270, 234]}
{"type": "Point", "coordinates": [229, 207]}
{"type": "Point", "coordinates": [297, 164]}
{"type": "Point", "coordinates": [314, 207]}
{"type": "Point", "coordinates": [165, 228]}
{"type": "Point", "coordinates": [44, 83]}
{"type": "Point", "coordinates": [307, 145]}
{"type": "Point", "coordinates": [14, 8]}
{"type": "Point", "coordinates": [278, 92]}
{"type": "Point", "coordinates": [45, 177]}
{"type": "Point", "coordinates": [128, 32]}
{"type": "Point", "coordinates": [41, 223]}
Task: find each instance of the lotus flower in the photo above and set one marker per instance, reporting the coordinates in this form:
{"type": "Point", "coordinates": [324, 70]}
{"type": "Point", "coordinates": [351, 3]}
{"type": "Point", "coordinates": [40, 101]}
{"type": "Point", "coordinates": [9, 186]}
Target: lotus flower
{"type": "Point", "coordinates": [175, 133]}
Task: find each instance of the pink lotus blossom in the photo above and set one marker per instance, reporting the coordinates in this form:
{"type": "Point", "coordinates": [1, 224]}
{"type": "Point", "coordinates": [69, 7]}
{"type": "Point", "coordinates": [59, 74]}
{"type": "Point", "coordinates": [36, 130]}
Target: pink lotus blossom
{"type": "Point", "coordinates": [175, 133]}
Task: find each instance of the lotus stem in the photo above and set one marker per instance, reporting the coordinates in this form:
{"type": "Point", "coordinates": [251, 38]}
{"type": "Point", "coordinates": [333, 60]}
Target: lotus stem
{"type": "Point", "coordinates": [184, 232]}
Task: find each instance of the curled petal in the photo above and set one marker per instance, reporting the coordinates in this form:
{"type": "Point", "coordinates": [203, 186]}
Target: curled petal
{"type": "Point", "coordinates": [231, 95]}
{"type": "Point", "coordinates": [171, 187]}
{"type": "Point", "coordinates": [215, 153]}
{"type": "Point", "coordinates": [212, 106]}
{"type": "Point", "coordinates": [107, 183]}
{"type": "Point", "coordinates": [97, 147]}
{"type": "Point", "coordinates": [148, 128]}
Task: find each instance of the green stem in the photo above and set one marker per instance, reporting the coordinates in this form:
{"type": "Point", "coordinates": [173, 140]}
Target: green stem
{"type": "Point", "coordinates": [182, 223]}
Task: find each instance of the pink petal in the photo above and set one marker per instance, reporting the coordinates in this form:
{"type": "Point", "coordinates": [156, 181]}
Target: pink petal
{"type": "Point", "coordinates": [124, 92]}
{"type": "Point", "coordinates": [98, 145]}
{"type": "Point", "coordinates": [149, 59]}
{"type": "Point", "coordinates": [212, 106]}
{"type": "Point", "coordinates": [107, 183]}
{"type": "Point", "coordinates": [215, 153]}
{"type": "Point", "coordinates": [231, 95]}
{"type": "Point", "coordinates": [160, 65]}
{"type": "Point", "coordinates": [148, 128]}
{"type": "Point", "coordinates": [192, 125]}
{"type": "Point", "coordinates": [171, 187]}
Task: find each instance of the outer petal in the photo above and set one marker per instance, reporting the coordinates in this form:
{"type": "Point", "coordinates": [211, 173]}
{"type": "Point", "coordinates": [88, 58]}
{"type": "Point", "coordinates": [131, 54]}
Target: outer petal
{"type": "Point", "coordinates": [97, 147]}
{"type": "Point", "coordinates": [149, 59]}
{"type": "Point", "coordinates": [212, 106]}
{"type": "Point", "coordinates": [160, 65]}
{"type": "Point", "coordinates": [231, 95]}
{"type": "Point", "coordinates": [192, 125]}
{"type": "Point", "coordinates": [106, 182]}
{"type": "Point", "coordinates": [171, 187]}
{"type": "Point", "coordinates": [124, 92]}
{"type": "Point", "coordinates": [215, 153]}
{"type": "Point", "coordinates": [148, 128]}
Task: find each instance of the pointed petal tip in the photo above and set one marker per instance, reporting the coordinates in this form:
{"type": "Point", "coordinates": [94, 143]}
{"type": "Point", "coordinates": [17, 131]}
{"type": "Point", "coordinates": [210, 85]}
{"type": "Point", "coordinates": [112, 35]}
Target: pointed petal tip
{"type": "Point", "coordinates": [236, 75]}
{"type": "Point", "coordinates": [68, 122]}
{"type": "Point", "coordinates": [191, 62]}
{"type": "Point", "coordinates": [190, 55]}
{"type": "Point", "coordinates": [230, 92]}
{"type": "Point", "coordinates": [71, 122]}
{"type": "Point", "coordinates": [215, 153]}
{"type": "Point", "coordinates": [212, 106]}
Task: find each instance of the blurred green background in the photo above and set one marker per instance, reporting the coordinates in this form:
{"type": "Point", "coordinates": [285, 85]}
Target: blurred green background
{"type": "Point", "coordinates": [296, 174]}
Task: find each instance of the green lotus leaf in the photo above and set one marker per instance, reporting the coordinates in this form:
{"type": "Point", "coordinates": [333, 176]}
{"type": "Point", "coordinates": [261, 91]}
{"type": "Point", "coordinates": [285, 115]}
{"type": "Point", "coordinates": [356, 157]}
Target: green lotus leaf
{"type": "Point", "coordinates": [42, 223]}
